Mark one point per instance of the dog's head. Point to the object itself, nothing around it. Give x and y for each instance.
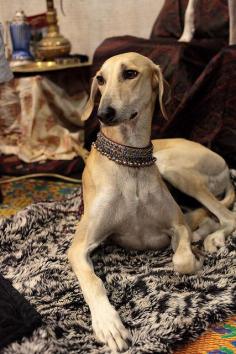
(128, 83)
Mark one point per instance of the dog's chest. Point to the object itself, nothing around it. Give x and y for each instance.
(140, 212)
(139, 196)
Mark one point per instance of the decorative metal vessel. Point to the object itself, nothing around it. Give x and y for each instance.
(53, 44)
(20, 36)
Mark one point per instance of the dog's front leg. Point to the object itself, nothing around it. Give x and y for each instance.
(184, 260)
(189, 19)
(105, 320)
(232, 22)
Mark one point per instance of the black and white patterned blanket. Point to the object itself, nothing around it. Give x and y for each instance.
(160, 307)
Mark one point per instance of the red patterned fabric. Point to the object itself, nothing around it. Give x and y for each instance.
(208, 112)
(41, 131)
(39, 121)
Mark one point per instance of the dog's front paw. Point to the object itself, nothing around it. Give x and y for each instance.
(110, 330)
(214, 242)
(187, 263)
(186, 37)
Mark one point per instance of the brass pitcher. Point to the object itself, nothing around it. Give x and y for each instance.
(53, 45)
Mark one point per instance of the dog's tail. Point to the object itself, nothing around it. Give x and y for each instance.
(229, 197)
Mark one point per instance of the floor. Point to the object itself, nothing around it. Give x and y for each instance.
(220, 339)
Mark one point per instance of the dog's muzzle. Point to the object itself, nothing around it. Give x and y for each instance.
(107, 116)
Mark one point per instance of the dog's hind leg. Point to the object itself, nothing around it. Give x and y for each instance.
(105, 320)
(227, 219)
(206, 227)
(201, 223)
(193, 184)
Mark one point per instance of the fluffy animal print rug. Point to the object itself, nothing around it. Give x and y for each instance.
(161, 308)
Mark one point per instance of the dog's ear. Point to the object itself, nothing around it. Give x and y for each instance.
(159, 82)
(90, 104)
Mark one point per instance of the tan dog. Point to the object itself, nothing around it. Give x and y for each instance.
(132, 205)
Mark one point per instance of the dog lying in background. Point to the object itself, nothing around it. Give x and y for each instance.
(202, 174)
(125, 198)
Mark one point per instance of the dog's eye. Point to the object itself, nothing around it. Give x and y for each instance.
(130, 74)
(100, 80)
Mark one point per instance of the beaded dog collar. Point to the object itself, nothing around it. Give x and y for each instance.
(124, 155)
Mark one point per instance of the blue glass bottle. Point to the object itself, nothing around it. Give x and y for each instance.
(20, 36)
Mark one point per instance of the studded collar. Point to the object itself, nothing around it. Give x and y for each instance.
(124, 155)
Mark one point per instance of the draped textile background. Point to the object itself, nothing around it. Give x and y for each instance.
(35, 119)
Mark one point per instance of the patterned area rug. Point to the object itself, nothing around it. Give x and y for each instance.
(219, 339)
(161, 314)
(18, 195)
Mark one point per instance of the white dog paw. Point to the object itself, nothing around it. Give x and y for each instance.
(187, 263)
(110, 330)
(213, 242)
(197, 236)
(186, 38)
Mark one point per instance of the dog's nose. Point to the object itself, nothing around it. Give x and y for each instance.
(107, 115)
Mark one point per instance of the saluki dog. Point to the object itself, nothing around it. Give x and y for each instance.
(125, 197)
